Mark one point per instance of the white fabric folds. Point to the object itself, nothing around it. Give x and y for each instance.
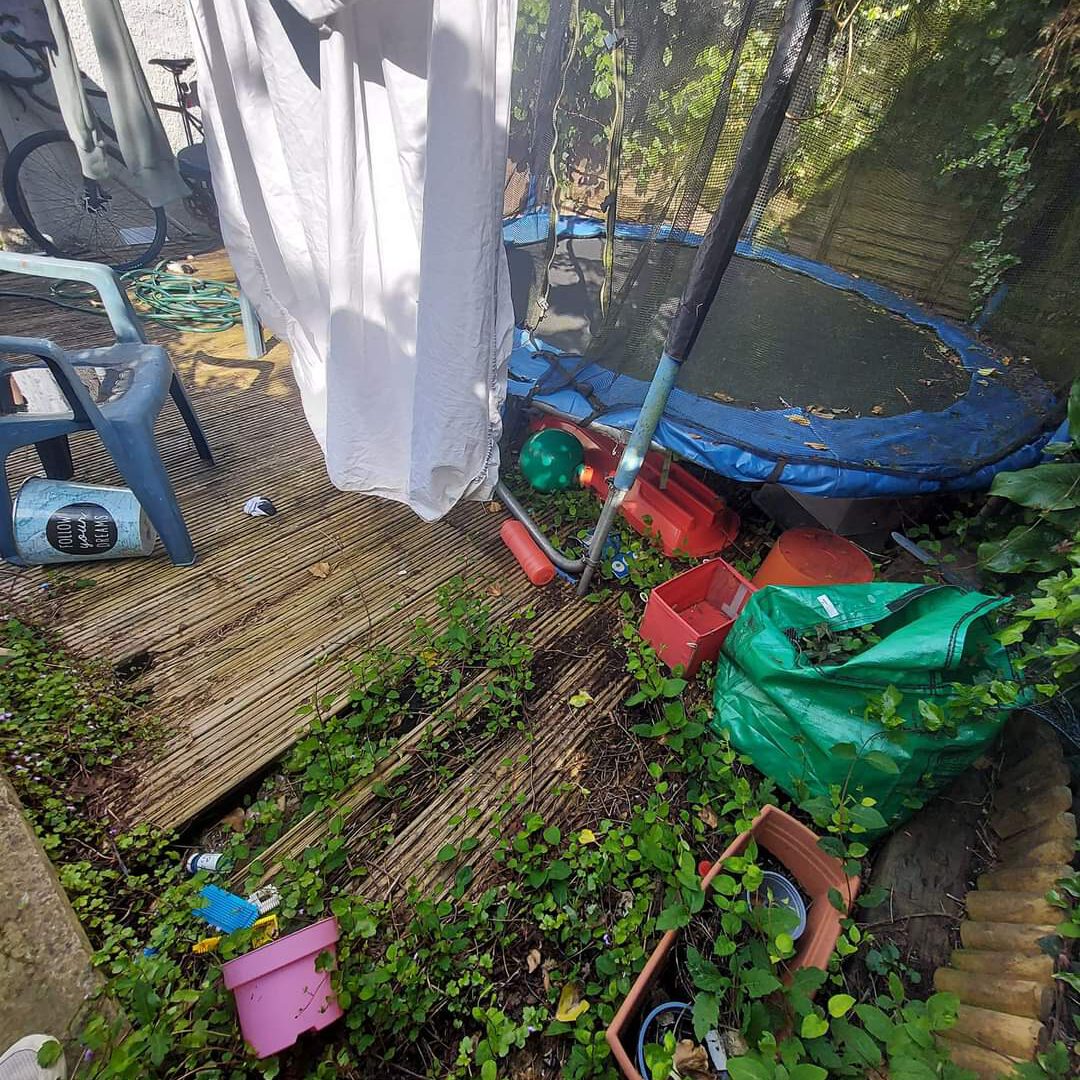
(358, 149)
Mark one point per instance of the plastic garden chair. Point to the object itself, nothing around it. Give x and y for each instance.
(138, 379)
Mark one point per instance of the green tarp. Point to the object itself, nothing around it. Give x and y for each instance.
(789, 713)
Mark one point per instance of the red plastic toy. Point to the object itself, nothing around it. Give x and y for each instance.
(537, 566)
(685, 514)
(687, 618)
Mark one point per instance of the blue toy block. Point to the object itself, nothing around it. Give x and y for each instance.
(225, 910)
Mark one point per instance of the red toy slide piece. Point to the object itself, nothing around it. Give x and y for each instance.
(687, 516)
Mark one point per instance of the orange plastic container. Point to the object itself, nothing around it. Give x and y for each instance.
(813, 557)
(538, 568)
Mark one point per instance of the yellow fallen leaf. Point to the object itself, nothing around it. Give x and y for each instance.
(319, 569)
(816, 445)
(571, 1004)
(533, 960)
(987, 371)
(795, 418)
(580, 699)
(586, 836)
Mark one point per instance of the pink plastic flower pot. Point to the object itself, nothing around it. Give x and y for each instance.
(279, 994)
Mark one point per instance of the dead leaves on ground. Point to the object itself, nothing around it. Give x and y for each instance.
(691, 1061)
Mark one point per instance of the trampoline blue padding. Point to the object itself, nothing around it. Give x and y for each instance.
(964, 413)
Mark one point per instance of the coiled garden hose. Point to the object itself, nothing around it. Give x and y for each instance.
(187, 302)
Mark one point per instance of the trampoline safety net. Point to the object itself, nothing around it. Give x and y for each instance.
(901, 314)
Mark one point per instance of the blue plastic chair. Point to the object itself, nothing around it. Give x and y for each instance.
(138, 379)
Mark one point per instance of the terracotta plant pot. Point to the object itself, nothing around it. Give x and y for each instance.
(813, 557)
(794, 846)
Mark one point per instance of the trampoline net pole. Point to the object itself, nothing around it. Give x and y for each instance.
(800, 23)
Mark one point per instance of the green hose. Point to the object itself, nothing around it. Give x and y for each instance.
(197, 305)
(186, 302)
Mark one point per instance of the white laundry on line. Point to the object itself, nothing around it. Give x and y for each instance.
(358, 151)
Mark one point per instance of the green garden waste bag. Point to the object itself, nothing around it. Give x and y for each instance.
(787, 708)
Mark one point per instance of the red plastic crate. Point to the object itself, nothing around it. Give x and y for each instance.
(686, 515)
(687, 618)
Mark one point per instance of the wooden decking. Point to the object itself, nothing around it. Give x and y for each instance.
(229, 648)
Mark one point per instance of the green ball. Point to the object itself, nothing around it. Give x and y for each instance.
(551, 460)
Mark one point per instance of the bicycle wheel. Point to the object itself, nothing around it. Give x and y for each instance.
(76, 218)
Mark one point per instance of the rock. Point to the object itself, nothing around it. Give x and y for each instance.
(1017, 997)
(46, 975)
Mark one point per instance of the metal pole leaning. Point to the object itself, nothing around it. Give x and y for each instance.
(801, 18)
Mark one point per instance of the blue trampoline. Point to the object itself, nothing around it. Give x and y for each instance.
(802, 375)
(717, 222)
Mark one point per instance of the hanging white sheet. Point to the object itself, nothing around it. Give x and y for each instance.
(358, 149)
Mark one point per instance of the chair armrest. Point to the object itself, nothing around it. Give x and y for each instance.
(63, 371)
(125, 322)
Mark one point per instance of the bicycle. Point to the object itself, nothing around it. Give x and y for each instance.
(72, 216)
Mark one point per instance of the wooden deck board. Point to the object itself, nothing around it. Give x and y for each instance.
(537, 767)
(361, 804)
(233, 645)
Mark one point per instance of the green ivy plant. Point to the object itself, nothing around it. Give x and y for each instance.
(1042, 555)
(822, 644)
(844, 1039)
(1003, 148)
(1048, 498)
(569, 919)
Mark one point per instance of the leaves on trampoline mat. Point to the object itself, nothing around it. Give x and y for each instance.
(721, 396)
(795, 418)
(877, 410)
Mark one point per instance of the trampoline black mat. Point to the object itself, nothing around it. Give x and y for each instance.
(773, 338)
